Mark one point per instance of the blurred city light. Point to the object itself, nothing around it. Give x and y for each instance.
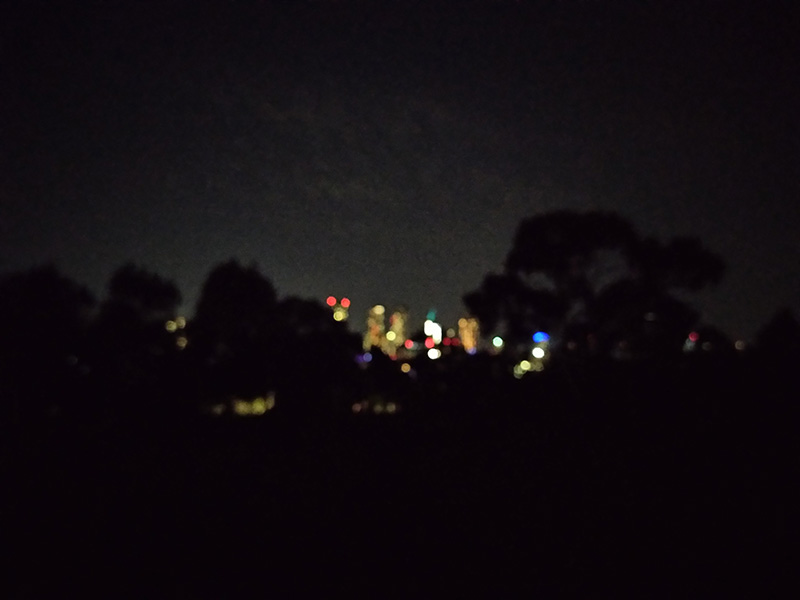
(345, 302)
(171, 326)
(405, 367)
(331, 301)
(497, 341)
(540, 336)
(537, 352)
(434, 353)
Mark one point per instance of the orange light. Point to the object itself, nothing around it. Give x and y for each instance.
(330, 301)
(345, 302)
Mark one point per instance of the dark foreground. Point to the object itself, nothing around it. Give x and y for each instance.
(558, 496)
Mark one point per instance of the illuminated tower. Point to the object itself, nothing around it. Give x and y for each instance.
(468, 332)
(376, 327)
(340, 308)
(397, 334)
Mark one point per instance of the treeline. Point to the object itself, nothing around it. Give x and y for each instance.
(613, 302)
(63, 351)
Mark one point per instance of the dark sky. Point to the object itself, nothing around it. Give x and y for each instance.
(388, 155)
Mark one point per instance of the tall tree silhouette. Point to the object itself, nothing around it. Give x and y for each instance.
(44, 318)
(590, 279)
(133, 351)
(232, 339)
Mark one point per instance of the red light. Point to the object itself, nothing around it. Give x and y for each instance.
(408, 344)
(456, 342)
(446, 341)
(330, 301)
(345, 302)
(429, 343)
(694, 336)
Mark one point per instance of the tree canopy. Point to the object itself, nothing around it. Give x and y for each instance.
(591, 277)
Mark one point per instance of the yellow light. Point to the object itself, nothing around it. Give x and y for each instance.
(378, 309)
(391, 336)
(391, 408)
(338, 315)
(180, 322)
(537, 353)
(171, 326)
(405, 367)
(270, 401)
(378, 408)
(525, 365)
(241, 407)
(181, 342)
(258, 406)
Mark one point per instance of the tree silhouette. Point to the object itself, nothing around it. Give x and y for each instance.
(133, 351)
(44, 318)
(589, 279)
(232, 337)
(779, 339)
(316, 366)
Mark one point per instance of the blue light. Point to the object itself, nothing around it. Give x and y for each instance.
(540, 336)
(367, 356)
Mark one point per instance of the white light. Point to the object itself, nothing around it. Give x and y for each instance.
(434, 353)
(537, 353)
(434, 330)
(497, 341)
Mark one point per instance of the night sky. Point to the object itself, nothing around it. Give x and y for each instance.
(388, 155)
